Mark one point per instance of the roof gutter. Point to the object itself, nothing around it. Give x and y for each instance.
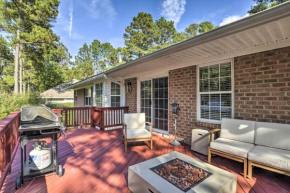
(261, 18)
(90, 79)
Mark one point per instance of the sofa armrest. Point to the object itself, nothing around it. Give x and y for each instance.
(124, 125)
(212, 131)
(150, 125)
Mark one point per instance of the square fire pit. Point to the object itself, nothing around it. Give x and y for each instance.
(176, 172)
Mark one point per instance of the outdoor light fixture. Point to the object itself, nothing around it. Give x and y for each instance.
(175, 108)
(175, 111)
(128, 86)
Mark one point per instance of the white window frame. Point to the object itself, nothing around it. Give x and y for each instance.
(216, 92)
(75, 95)
(90, 90)
(115, 95)
(95, 93)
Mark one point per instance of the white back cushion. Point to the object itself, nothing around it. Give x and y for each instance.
(239, 130)
(135, 120)
(274, 135)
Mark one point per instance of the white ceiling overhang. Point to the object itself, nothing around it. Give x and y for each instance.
(264, 31)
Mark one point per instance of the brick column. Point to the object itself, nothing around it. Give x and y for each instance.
(182, 90)
(131, 97)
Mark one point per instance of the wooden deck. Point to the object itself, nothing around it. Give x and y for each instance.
(95, 161)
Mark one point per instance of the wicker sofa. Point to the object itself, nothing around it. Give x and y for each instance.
(264, 145)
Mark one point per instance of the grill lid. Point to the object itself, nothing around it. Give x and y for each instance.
(31, 113)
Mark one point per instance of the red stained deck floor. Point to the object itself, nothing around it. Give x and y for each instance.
(95, 161)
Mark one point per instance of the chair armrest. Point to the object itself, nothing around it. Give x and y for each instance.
(124, 125)
(212, 131)
(150, 125)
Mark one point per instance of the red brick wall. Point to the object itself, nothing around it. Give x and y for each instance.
(262, 86)
(182, 90)
(131, 97)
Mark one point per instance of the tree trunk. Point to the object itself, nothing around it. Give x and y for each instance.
(24, 85)
(16, 59)
(20, 77)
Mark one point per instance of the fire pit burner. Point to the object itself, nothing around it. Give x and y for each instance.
(181, 174)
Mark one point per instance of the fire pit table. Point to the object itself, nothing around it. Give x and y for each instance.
(176, 172)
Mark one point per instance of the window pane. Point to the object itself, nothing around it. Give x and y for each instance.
(214, 84)
(156, 113)
(215, 113)
(156, 123)
(215, 100)
(118, 91)
(226, 112)
(166, 82)
(225, 84)
(156, 104)
(147, 103)
(118, 99)
(161, 83)
(113, 99)
(203, 73)
(226, 100)
(165, 103)
(204, 85)
(161, 104)
(155, 83)
(204, 99)
(214, 71)
(204, 112)
(165, 93)
(113, 92)
(225, 69)
(161, 91)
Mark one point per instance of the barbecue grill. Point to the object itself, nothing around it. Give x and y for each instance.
(39, 122)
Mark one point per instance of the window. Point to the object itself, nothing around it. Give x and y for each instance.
(88, 95)
(76, 95)
(215, 92)
(115, 95)
(99, 94)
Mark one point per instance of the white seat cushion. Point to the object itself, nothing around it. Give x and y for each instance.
(238, 130)
(274, 135)
(277, 158)
(237, 148)
(137, 133)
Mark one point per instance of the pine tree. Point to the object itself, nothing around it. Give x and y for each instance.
(139, 36)
(29, 23)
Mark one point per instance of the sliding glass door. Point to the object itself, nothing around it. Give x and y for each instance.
(154, 102)
(146, 99)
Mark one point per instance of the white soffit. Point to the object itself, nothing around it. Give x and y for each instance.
(263, 37)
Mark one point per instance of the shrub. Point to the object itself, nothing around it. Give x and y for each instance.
(59, 105)
(10, 102)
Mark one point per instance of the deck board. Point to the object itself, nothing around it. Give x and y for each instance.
(95, 161)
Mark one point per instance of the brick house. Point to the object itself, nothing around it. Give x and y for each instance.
(240, 70)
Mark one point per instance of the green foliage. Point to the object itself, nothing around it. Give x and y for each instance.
(83, 66)
(262, 5)
(165, 32)
(205, 27)
(192, 30)
(13, 102)
(59, 105)
(139, 36)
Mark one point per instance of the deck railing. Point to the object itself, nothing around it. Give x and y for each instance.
(102, 117)
(107, 117)
(9, 140)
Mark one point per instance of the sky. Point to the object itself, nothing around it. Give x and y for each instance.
(82, 21)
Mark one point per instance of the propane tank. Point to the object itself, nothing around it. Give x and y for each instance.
(40, 156)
